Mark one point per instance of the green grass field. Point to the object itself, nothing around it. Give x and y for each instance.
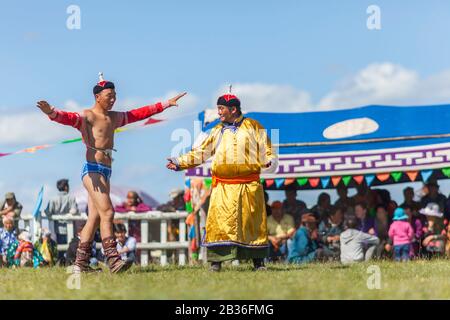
(413, 280)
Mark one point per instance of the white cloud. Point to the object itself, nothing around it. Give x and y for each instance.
(390, 84)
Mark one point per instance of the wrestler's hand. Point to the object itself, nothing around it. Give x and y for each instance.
(173, 101)
(171, 165)
(45, 107)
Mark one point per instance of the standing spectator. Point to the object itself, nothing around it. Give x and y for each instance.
(266, 200)
(63, 203)
(280, 227)
(47, 247)
(126, 245)
(401, 233)
(24, 252)
(361, 193)
(323, 207)
(417, 226)
(381, 227)
(384, 198)
(365, 223)
(10, 208)
(135, 204)
(303, 247)
(293, 206)
(344, 202)
(433, 196)
(175, 204)
(8, 236)
(356, 246)
(434, 237)
(330, 230)
(408, 195)
(72, 250)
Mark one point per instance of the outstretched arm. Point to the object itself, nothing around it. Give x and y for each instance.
(197, 155)
(72, 119)
(146, 111)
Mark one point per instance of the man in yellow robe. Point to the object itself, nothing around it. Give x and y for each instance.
(236, 225)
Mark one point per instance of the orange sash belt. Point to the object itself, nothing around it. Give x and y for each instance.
(238, 180)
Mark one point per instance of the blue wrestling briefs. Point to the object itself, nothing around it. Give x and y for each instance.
(93, 167)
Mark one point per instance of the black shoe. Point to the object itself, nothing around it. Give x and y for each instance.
(258, 265)
(215, 266)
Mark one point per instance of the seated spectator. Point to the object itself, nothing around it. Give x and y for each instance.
(293, 206)
(417, 225)
(134, 203)
(329, 232)
(280, 228)
(356, 246)
(73, 246)
(323, 207)
(126, 245)
(47, 247)
(24, 252)
(366, 224)
(7, 238)
(381, 227)
(10, 208)
(434, 233)
(303, 247)
(402, 234)
(433, 196)
(344, 202)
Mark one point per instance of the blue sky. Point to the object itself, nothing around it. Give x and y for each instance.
(308, 55)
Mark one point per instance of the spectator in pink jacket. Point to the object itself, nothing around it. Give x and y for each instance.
(402, 234)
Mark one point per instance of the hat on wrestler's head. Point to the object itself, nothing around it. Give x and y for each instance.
(102, 84)
(229, 100)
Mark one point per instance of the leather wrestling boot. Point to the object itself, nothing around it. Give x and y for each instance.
(113, 259)
(81, 264)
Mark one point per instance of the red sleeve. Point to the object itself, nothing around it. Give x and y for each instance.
(72, 119)
(142, 113)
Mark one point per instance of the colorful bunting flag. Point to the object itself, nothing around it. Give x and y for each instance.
(426, 174)
(314, 182)
(189, 207)
(269, 182)
(188, 183)
(335, 180)
(446, 172)
(302, 181)
(325, 182)
(412, 175)
(346, 180)
(289, 181)
(383, 176)
(279, 182)
(369, 179)
(358, 179)
(396, 176)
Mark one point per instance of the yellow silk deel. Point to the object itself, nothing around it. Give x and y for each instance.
(237, 213)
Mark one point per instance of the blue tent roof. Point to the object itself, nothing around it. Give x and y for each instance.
(393, 122)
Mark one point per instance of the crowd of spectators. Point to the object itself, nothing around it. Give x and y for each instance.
(368, 225)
